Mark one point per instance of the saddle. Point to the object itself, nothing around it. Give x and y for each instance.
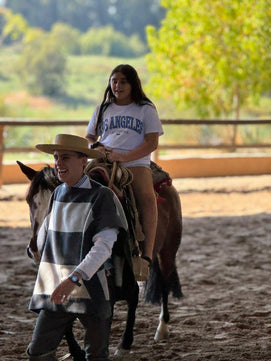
(119, 179)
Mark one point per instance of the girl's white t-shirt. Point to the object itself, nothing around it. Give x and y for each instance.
(124, 127)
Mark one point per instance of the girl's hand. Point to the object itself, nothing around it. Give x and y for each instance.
(98, 146)
(115, 157)
(101, 149)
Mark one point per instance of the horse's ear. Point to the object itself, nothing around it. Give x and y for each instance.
(29, 172)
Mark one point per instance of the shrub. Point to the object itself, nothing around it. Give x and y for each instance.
(108, 42)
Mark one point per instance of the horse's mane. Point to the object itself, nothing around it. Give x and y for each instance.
(43, 179)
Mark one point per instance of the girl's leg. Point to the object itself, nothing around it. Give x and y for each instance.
(147, 206)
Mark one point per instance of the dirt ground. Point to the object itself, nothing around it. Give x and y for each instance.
(223, 263)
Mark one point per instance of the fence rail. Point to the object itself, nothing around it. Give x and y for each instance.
(232, 145)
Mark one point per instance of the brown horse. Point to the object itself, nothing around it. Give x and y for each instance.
(163, 278)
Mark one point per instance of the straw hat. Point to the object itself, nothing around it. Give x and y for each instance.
(70, 142)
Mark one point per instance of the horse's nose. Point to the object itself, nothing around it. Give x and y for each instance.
(28, 251)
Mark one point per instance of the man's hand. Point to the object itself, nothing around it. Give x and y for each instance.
(63, 291)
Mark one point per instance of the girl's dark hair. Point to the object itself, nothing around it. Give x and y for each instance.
(137, 93)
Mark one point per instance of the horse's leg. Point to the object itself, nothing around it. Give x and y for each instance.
(169, 282)
(162, 329)
(169, 233)
(163, 280)
(128, 334)
(75, 350)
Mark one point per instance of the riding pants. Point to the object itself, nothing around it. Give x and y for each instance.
(50, 329)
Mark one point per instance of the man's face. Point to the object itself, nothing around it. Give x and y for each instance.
(69, 166)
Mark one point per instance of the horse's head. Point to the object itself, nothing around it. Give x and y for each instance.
(42, 184)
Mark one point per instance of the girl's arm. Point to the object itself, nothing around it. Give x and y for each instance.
(149, 144)
(91, 138)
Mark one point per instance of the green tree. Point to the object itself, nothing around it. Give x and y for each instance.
(212, 55)
(38, 13)
(67, 37)
(109, 42)
(128, 17)
(31, 35)
(42, 66)
(14, 26)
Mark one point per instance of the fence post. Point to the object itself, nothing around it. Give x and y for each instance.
(1, 153)
(233, 139)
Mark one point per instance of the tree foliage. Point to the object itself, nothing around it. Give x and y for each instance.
(212, 55)
(99, 41)
(108, 42)
(32, 34)
(68, 38)
(14, 26)
(42, 66)
(128, 17)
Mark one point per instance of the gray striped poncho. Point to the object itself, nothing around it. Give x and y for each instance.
(74, 216)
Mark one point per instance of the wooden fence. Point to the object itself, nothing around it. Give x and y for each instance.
(230, 146)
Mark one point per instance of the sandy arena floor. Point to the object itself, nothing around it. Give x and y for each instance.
(223, 263)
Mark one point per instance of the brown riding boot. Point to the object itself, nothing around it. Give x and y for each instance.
(141, 267)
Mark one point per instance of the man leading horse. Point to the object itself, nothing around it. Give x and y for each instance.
(83, 222)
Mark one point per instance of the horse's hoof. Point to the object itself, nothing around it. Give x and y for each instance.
(161, 335)
(121, 354)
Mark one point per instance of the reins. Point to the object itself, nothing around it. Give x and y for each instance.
(113, 173)
(116, 176)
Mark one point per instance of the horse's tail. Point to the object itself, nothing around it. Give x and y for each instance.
(156, 284)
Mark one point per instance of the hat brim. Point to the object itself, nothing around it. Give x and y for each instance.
(51, 148)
